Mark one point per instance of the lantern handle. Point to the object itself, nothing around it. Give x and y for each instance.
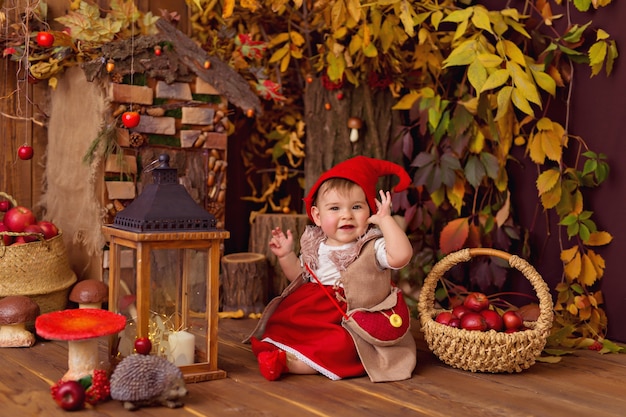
(163, 160)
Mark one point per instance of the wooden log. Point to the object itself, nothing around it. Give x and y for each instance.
(260, 235)
(244, 282)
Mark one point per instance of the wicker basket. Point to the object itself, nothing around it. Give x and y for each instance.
(488, 351)
(39, 270)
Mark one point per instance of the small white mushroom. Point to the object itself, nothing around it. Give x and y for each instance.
(15, 312)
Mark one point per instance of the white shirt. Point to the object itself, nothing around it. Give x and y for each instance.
(328, 273)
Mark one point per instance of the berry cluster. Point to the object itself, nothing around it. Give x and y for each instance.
(92, 389)
(100, 388)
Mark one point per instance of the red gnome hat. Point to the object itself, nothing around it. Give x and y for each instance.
(364, 172)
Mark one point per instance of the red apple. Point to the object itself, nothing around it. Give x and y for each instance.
(6, 239)
(455, 322)
(512, 320)
(5, 205)
(25, 152)
(143, 346)
(493, 319)
(49, 229)
(444, 317)
(70, 396)
(45, 39)
(17, 218)
(36, 233)
(476, 301)
(459, 311)
(473, 321)
(130, 119)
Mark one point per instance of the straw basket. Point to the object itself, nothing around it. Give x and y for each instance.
(488, 351)
(39, 270)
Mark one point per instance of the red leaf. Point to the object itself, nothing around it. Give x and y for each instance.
(453, 235)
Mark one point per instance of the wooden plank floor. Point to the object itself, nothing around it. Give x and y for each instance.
(582, 384)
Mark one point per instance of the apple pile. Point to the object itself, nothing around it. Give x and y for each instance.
(20, 219)
(476, 313)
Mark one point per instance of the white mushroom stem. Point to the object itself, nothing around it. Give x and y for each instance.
(16, 335)
(82, 358)
(354, 135)
(89, 305)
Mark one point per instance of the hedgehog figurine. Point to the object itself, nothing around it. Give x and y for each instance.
(147, 380)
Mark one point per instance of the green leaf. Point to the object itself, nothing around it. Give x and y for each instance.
(491, 164)
(575, 33)
(474, 171)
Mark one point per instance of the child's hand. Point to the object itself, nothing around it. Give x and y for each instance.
(383, 206)
(281, 244)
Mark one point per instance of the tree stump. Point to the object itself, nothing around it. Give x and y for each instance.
(260, 236)
(244, 282)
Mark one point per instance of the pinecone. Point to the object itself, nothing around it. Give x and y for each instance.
(137, 139)
(116, 77)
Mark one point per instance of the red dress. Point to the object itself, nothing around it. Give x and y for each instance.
(308, 325)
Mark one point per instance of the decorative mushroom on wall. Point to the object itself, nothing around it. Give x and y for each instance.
(15, 312)
(89, 293)
(82, 328)
(354, 124)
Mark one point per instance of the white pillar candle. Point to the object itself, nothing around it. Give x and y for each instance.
(181, 348)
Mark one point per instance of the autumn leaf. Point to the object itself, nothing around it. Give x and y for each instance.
(454, 235)
(572, 268)
(599, 239)
(588, 273)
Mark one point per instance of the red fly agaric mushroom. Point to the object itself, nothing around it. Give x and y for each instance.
(81, 327)
(15, 312)
(354, 123)
(89, 293)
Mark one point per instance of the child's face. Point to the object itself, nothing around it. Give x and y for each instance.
(342, 214)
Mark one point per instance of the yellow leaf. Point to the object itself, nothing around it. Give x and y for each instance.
(513, 52)
(464, 54)
(572, 309)
(520, 101)
(480, 19)
(296, 38)
(460, 30)
(477, 143)
(504, 102)
(495, 79)
(552, 142)
(598, 263)
(477, 75)
(544, 81)
(568, 254)
(489, 60)
(406, 17)
(284, 63)
(406, 102)
(573, 268)
(227, 8)
(535, 150)
(552, 197)
(456, 194)
(280, 53)
(524, 83)
(588, 274)
(599, 238)
(354, 9)
(547, 180)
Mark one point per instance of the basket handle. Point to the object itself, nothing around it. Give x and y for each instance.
(10, 198)
(427, 294)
